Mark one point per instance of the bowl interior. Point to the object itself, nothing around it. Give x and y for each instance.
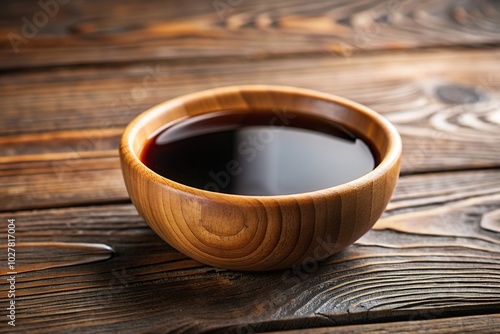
(379, 134)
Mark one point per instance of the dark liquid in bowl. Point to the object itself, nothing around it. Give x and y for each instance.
(258, 153)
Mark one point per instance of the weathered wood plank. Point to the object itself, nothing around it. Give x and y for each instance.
(406, 86)
(83, 32)
(472, 324)
(63, 183)
(56, 145)
(432, 259)
(445, 105)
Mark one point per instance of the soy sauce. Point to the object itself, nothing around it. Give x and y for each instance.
(258, 153)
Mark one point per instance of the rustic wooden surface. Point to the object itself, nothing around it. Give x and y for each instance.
(87, 263)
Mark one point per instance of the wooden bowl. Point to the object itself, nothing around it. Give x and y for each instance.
(261, 232)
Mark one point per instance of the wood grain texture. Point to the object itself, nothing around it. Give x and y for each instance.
(89, 32)
(93, 266)
(261, 232)
(62, 132)
(430, 264)
(405, 86)
(473, 324)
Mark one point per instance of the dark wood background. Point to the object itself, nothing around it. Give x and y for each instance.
(87, 263)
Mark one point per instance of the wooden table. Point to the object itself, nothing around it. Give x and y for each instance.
(87, 263)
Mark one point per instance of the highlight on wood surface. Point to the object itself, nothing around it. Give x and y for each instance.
(109, 34)
(261, 232)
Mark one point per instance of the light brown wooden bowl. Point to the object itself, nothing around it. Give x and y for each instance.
(261, 232)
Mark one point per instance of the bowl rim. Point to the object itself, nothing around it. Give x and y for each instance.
(388, 161)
